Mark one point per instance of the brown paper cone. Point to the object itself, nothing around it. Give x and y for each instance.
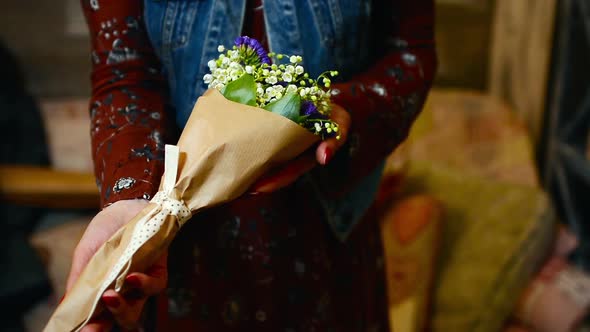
(225, 147)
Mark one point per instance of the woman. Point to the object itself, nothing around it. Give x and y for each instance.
(294, 253)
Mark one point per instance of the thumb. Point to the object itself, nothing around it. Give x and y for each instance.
(80, 259)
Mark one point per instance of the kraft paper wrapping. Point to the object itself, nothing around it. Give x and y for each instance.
(224, 148)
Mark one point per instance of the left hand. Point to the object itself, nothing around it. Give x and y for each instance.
(290, 172)
(123, 309)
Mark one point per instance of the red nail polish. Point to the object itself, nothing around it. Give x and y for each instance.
(133, 281)
(62, 299)
(328, 153)
(111, 302)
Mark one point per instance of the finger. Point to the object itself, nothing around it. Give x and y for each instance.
(154, 280)
(286, 175)
(326, 149)
(126, 310)
(85, 250)
(342, 118)
(79, 260)
(98, 326)
(146, 284)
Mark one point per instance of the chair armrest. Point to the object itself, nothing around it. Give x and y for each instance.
(46, 187)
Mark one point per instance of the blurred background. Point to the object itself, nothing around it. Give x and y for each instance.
(483, 208)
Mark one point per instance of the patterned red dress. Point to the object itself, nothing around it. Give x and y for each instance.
(266, 262)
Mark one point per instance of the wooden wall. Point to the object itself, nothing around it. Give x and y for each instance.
(45, 36)
(463, 42)
(521, 45)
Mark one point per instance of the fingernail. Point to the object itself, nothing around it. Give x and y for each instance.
(253, 193)
(62, 299)
(133, 281)
(111, 302)
(328, 153)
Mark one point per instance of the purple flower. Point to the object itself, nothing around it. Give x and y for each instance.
(309, 109)
(252, 45)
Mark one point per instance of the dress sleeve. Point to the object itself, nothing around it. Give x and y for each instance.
(127, 107)
(385, 100)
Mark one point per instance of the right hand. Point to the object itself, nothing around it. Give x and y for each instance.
(125, 309)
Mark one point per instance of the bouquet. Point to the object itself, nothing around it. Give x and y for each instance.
(245, 74)
(255, 116)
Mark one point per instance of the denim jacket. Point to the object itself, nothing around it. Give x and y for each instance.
(329, 34)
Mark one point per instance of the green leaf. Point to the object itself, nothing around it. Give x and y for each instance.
(288, 106)
(242, 90)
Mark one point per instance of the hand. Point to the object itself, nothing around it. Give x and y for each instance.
(124, 309)
(287, 174)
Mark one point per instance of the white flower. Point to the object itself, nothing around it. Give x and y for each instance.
(265, 72)
(208, 78)
(212, 65)
(275, 91)
(225, 61)
(234, 55)
(249, 69)
(220, 48)
(290, 69)
(260, 91)
(299, 70)
(302, 93)
(235, 74)
(287, 77)
(271, 80)
(293, 59)
(291, 88)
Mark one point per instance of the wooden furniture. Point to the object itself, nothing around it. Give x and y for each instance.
(37, 186)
